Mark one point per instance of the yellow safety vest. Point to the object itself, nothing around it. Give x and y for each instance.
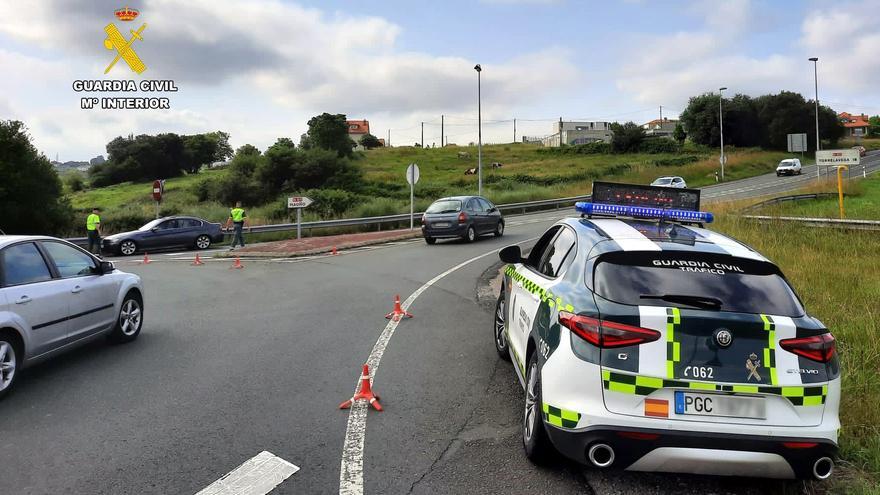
(92, 222)
(237, 215)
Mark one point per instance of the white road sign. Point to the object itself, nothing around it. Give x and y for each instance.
(412, 173)
(833, 158)
(299, 202)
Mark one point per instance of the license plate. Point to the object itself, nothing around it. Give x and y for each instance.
(441, 224)
(728, 406)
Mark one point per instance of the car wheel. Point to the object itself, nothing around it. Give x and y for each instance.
(203, 242)
(9, 361)
(778, 174)
(799, 172)
(127, 248)
(499, 229)
(500, 335)
(535, 440)
(130, 320)
(430, 240)
(470, 235)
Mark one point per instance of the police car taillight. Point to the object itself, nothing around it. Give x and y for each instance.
(819, 348)
(606, 334)
(462, 217)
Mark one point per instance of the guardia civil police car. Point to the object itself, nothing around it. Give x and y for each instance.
(646, 342)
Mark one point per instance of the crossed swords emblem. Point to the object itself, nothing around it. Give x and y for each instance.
(123, 48)
(752, 364)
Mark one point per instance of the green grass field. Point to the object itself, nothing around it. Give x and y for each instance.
(862, 201)
(836, 274)
(526, 175)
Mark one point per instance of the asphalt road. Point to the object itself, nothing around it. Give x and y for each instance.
(234, 362)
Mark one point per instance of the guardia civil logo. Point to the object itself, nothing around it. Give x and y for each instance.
(124, 48)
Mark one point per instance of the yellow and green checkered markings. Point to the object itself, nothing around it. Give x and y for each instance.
(561, 417)
(645, 385)
(673, 348)
(770, 350)
(546, 296)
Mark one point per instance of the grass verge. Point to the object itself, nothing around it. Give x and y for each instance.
(862, 202)
(835, 273)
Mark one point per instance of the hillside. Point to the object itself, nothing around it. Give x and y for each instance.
(527, 173)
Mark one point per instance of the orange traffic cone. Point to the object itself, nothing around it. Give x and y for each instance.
(365, 392)
(237, 264)
(198, 261)
(147, 259)
(398, 312)
(333, 251)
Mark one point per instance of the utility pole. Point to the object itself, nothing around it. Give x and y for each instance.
(441, 130)
(423, 135)
(815, 61)
(560, 131)
(388, 143)
(661, 114)
(479, 134)
(721, 124)
(514, 130)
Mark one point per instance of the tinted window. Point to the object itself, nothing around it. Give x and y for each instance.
(555, 256)
(485, 204)
(150, 225)
(537, 252)
(189, 223)
(170, 224)
(445, 206)
(71, 262)
(23, 264)
(474, 205)
(740, 285)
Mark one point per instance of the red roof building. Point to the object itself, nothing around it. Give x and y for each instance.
(856, 125)
(358, 127)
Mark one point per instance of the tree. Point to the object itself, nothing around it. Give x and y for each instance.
(627, 137)
(874, 126)
(700, 119)
(247, 149)
(74, 181)
(678, 134)
(205, 149)
(329, 132)
(31, 195)
(789, 113)
(370, 141)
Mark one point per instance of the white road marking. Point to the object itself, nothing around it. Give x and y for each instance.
(351, 474)
(257, 476)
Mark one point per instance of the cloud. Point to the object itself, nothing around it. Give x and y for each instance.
(845, 37)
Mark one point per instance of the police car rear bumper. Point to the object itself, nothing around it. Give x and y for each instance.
(641, 449)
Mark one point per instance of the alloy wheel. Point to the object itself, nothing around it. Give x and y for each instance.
(531, 412)
(203, 242)
(130, 317)
(500, 338)
(127, 248)
(7, 365)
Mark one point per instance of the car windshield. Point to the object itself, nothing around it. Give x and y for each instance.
(785, 163)
(445, 206)
(697, 280)
(150, 225)
(662, 181)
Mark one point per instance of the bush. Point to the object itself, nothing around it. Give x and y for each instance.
(659, 145)
(332, 203)
(676, 161)
(74, 181)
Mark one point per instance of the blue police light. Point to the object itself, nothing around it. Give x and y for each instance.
(643, 212)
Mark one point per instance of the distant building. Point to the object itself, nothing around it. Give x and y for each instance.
(660, 128)
(356, 130)
(855, 125)
(571, 133)
(532, 140)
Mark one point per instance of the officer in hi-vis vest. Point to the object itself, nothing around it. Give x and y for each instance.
(238, 218)
(93, 231)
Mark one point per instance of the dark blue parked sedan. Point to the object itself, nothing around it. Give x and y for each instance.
(165, 233)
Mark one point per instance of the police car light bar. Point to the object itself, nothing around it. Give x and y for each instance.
(643, 212)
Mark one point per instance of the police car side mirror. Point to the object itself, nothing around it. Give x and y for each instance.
(106, 267)
(511, 254)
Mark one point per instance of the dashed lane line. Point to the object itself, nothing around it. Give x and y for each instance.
(351, 474)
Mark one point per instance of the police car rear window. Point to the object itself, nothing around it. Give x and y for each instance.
(674, 279)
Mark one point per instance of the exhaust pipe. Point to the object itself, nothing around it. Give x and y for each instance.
(602, 455)
(822, 468)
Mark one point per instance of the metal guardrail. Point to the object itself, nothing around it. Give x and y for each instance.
(513, 208)
(821, 222)
(785, 199)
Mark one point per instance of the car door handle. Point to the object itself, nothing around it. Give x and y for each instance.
(76, 290)
(23, 300)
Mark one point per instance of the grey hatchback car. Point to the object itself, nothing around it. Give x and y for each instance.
(464, 217)
(55, 296)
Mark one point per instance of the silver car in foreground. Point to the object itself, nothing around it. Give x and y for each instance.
(55, 296)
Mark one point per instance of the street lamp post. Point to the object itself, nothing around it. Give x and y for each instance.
(721, 122)
(479, 136)
(815, 61)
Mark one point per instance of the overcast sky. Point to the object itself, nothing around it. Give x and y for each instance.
(259, 69)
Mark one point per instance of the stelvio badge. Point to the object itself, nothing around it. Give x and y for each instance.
(124, 50)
